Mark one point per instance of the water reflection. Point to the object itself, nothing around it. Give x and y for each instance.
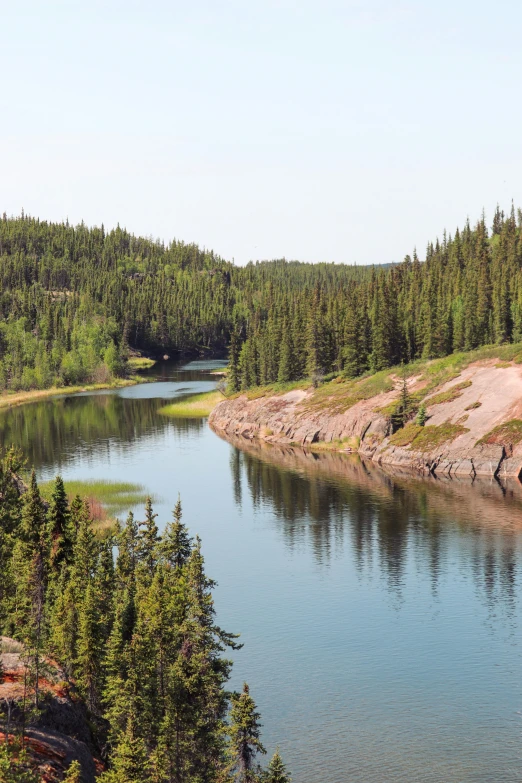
(58, 430)
(319, 497)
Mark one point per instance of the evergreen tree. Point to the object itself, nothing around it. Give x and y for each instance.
(276, 772)
(149, 538)
(176, 544)
(233, 371)
(130, 760)
(60, 537)
(245, 743)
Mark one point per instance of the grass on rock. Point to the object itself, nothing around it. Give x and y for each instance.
(432, 436)
(507, 434)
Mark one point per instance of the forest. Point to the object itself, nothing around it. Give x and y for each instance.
(128, 620)
(75, 301)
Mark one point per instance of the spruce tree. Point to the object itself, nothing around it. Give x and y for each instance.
(130, 763)
(176, 544)
(59, 527)
(245, 742)
(233, 371)
(276, 772)
(149, 538)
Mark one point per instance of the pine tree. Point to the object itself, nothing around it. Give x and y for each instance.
(285, 370)
(128, 550)
(176, 544)
(233, 372)
(74, 773)
(149, 538)
(90, 648)
(33, 516)
(315, 340)
(245, 743)
(59, 528)
(130, 762)
(421, 416)
(276, 772)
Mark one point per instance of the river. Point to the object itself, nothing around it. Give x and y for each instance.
(381, 614)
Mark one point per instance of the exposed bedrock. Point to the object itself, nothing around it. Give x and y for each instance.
(491, 397)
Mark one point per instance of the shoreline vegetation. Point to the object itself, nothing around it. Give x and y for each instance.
(140, 363)
(197, 406)
(9, 399)
(12, 399)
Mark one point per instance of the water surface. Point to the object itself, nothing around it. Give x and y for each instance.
(381, 614)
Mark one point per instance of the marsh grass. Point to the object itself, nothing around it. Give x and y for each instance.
(198, 406)
(107, 500)
(140, 363)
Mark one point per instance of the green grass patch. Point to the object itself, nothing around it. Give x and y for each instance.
(350, 443)
(338, 397)
(273, 389)
(448, 396)
(432, 436)
(507, 434)
(198, 406)
(473, 406)
(406, 435)
(140, 363)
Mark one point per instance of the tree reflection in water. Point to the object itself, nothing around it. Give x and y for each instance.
(322, 497)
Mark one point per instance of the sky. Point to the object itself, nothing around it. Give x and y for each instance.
(320, 131)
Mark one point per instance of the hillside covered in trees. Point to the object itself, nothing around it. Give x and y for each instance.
(122, 655)
(74, 300)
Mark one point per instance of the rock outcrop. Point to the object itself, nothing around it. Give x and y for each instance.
(489, 395)
(60, 732)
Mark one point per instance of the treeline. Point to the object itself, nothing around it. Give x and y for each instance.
(134, 633)
(466, 294)
(75, 299)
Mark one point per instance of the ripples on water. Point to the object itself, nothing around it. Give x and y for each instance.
(381, 614)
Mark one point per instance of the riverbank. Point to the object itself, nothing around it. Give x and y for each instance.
(12, 399)
(473, 404)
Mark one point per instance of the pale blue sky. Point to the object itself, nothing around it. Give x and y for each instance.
(343, 131)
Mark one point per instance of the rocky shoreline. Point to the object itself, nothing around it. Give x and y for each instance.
(488, 396)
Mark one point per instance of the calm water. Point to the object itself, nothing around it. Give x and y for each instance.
(381, 615)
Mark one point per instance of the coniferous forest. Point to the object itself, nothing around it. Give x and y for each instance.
(129, 620)
(74, 301)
